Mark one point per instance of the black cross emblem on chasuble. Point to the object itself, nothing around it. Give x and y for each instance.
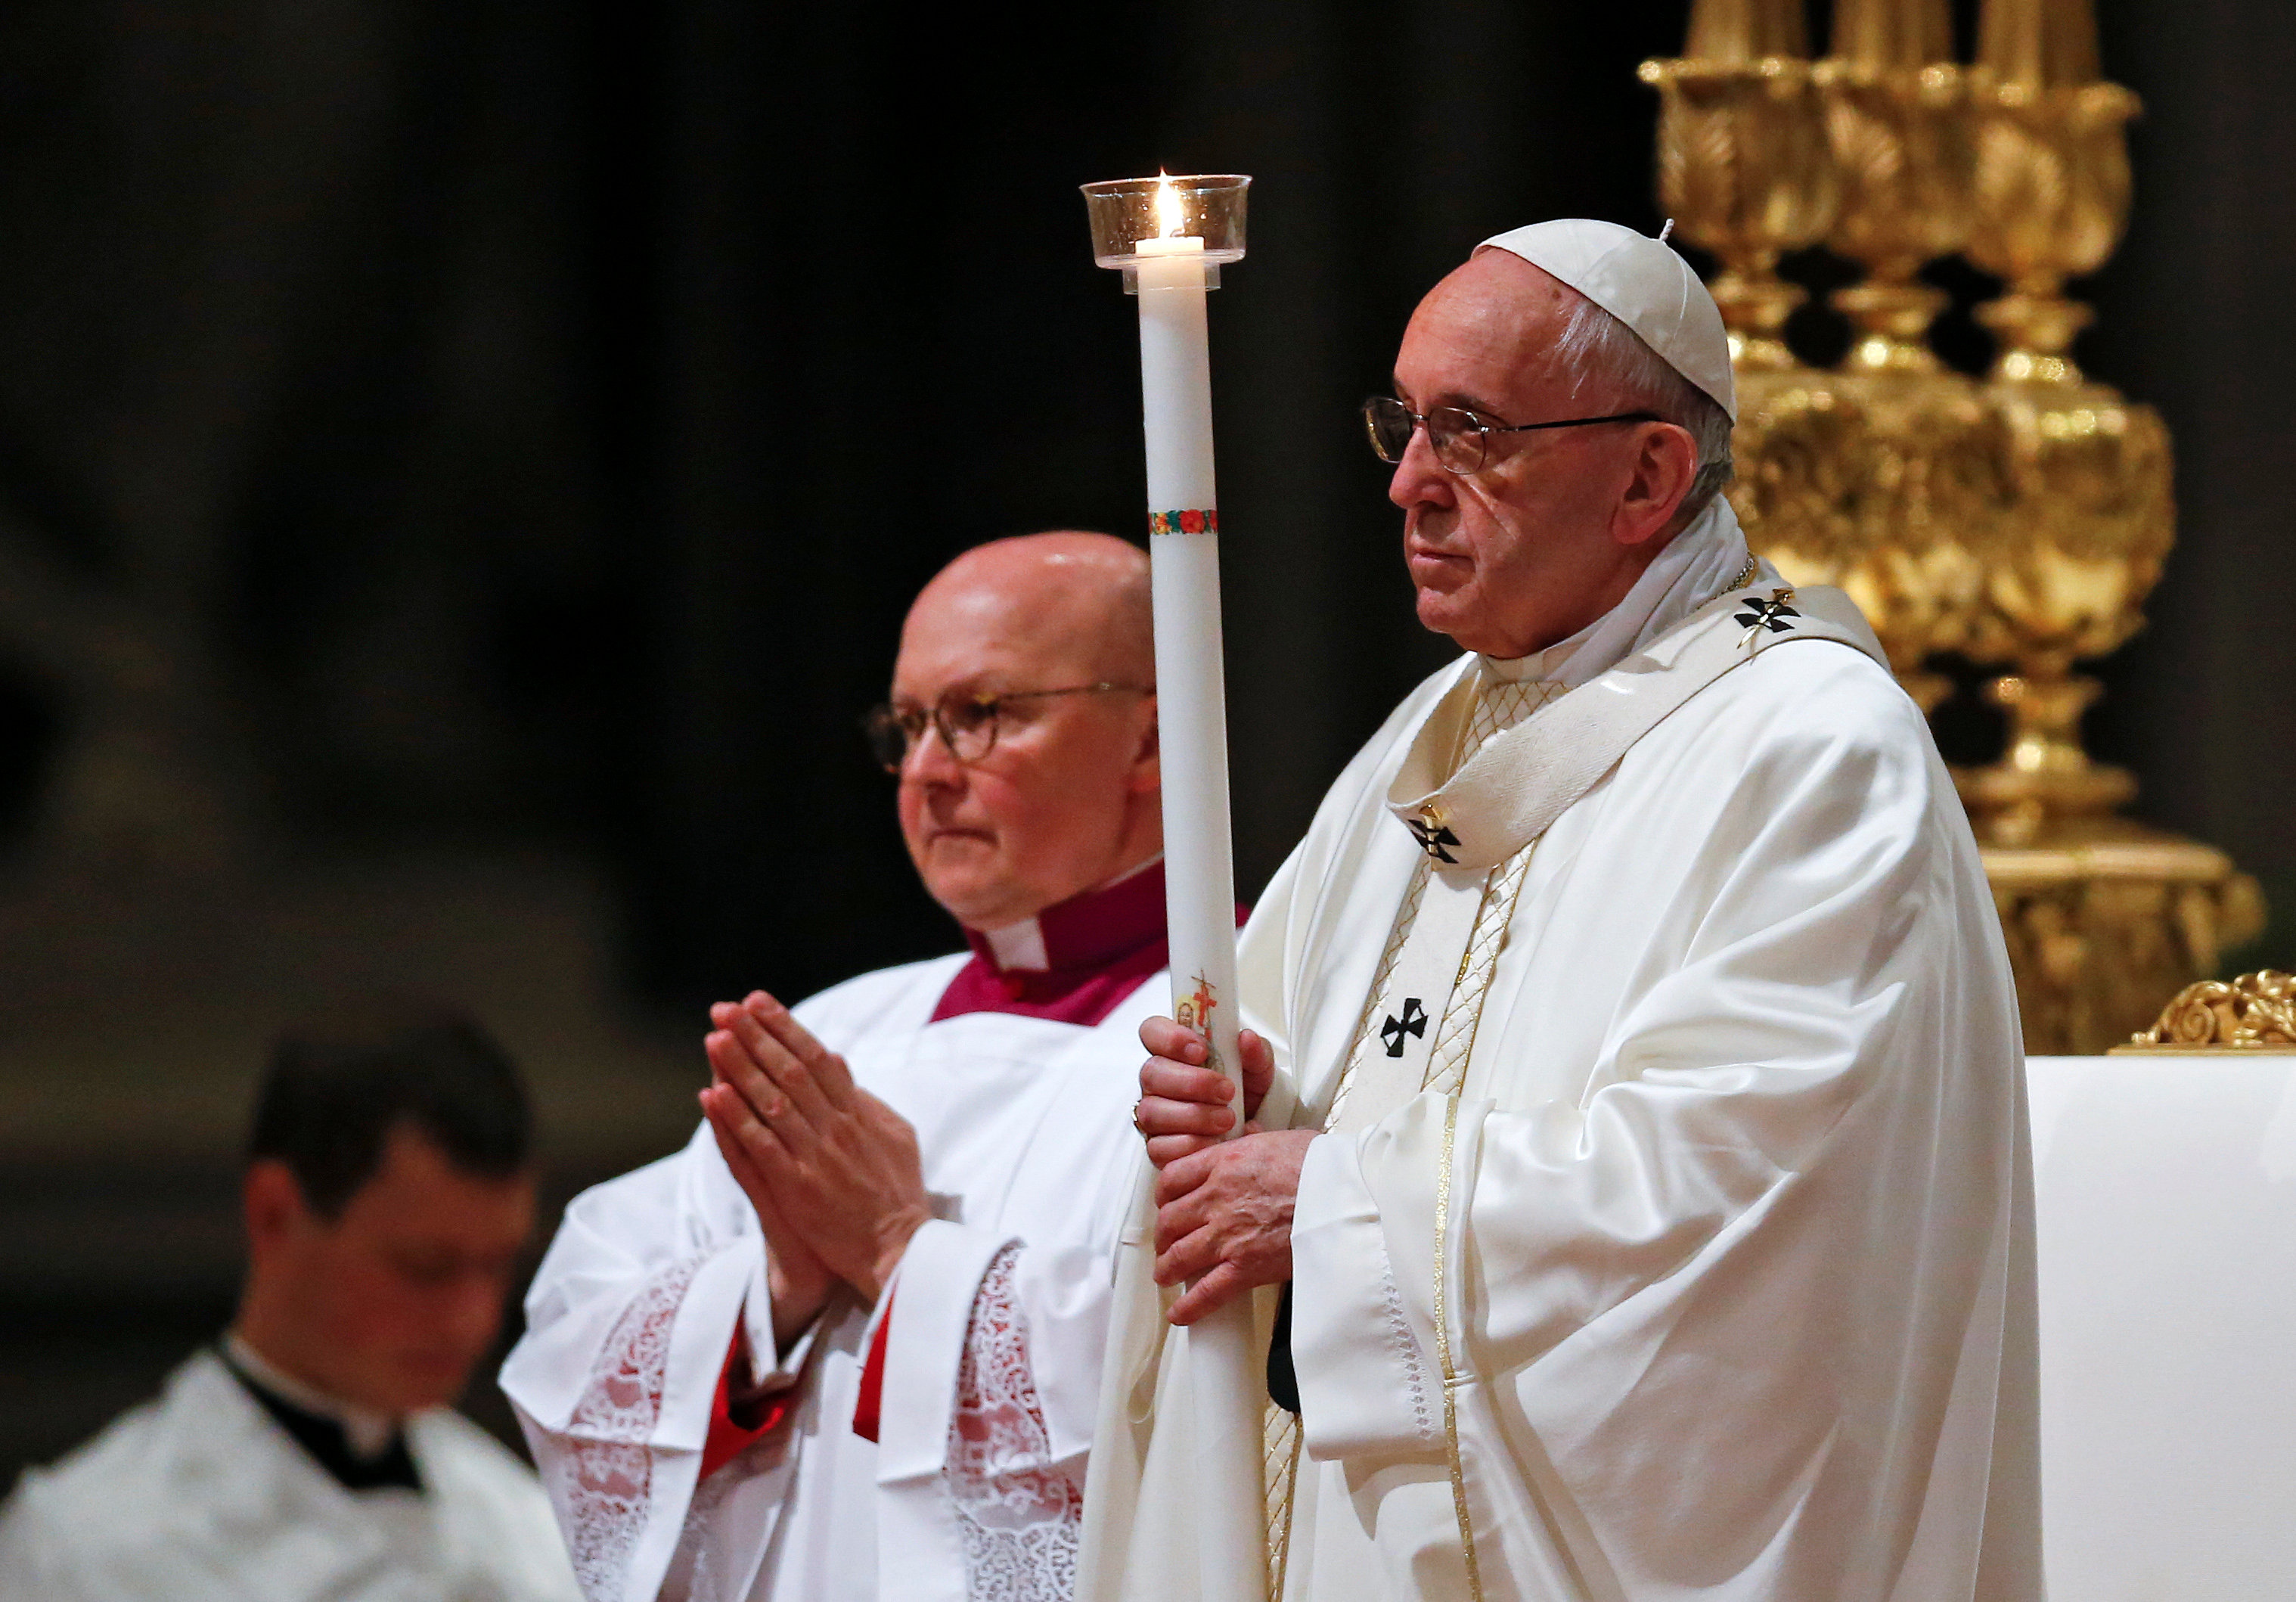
(1772, 615)
(1413, 1022)
(1432, 838)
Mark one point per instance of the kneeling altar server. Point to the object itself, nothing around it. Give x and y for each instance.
(847, 1344)
(1643, 1151)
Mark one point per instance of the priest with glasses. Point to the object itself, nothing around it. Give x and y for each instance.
(846, 1344)
(1638, 1195)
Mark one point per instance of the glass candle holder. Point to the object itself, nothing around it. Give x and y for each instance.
(1124, 213)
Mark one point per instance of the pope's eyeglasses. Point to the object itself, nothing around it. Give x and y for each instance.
(1459, 436)
(968, 720)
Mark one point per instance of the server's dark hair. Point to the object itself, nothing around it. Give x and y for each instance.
(339, 1085)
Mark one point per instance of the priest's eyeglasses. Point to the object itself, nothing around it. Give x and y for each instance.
(968, 722)
(1459, 436)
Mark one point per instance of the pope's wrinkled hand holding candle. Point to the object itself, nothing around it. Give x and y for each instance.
(1169, 235)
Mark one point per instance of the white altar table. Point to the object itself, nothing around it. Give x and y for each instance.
(2166, 1202)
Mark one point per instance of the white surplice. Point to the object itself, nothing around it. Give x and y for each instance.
(1024, 1127)
(202, 1496)
(1732, 1298)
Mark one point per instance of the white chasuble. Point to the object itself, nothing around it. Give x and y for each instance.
(987, 1340)
(1705, 1270)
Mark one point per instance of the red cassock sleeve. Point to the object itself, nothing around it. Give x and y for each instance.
(725, 1440)
(870, 1404)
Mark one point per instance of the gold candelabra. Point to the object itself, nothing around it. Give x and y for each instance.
(2021, 520)
(2089, 472)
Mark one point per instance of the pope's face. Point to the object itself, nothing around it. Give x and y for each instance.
(394, 1303)
(1066, 798)
(1555, 527)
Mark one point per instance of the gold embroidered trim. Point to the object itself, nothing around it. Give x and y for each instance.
(1281, 1443)
(1443, 1351)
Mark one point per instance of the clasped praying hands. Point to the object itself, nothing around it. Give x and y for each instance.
(832, 1171)
(1223, 1207)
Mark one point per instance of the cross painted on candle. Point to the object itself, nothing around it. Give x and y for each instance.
(1195, 1012)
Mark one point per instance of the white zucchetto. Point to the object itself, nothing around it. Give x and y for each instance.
(1641, 282)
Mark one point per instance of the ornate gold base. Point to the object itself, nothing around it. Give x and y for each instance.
(2106, 919)
(2254, 1013)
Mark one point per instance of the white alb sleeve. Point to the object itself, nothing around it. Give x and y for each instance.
(992, 1368)
(616, 1377)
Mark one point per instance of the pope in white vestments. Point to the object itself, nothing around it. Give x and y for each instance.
(1642, 1152)
(924, 1433)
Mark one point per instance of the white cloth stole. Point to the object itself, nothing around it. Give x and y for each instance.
(1410, 1003)
(1478, 813)
(1411, 1030)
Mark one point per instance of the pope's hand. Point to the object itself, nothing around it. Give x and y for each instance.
(839, 1166)
(1224, 1217)
(1183, 1105)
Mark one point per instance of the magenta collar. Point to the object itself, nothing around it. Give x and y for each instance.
(1095, 950)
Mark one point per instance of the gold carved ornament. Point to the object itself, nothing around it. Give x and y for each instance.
(2256, 1012)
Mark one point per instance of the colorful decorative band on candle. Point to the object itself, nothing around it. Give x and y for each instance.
(1184, 523)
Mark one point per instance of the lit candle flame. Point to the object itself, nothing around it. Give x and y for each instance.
(1172, 213)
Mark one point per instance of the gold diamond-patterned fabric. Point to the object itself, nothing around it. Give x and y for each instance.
(1501, 705)
(1446, 1069)
(1280, 1432)
(1454, 1038)
(1280, 1465)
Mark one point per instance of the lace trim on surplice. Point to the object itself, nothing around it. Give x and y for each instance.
(604, 1481)
(1021, 1521)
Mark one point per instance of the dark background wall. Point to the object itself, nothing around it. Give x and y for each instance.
(503, 432)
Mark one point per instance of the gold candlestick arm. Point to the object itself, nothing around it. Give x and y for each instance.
(2051, 186)
(2090, 513)
(1895, 105)
(2038, 44)
(1748, 164)
(1743, 167)
(1735, 33)
(1920, 488)
(1885, 34)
